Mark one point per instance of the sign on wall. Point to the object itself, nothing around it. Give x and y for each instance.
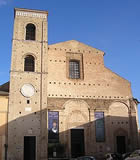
(99, 126)
(53, 127)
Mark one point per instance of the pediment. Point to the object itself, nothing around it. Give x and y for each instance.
(74, 45)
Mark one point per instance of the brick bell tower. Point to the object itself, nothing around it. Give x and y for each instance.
(27, 119)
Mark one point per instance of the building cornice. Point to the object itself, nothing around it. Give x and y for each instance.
(30, 13)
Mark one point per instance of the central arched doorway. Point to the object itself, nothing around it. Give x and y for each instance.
(76, 112)
(76, 122)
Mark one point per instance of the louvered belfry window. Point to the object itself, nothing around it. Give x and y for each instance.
(29, 63)
(30, 31)
(74, 69)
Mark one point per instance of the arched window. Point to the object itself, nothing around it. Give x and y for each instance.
(30, 31)
(74, 69)
(29, 63)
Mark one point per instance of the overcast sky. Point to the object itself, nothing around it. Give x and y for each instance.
(109, 25)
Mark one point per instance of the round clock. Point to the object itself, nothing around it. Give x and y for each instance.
(27, 90)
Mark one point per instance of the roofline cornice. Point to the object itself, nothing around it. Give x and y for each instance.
(30, 10)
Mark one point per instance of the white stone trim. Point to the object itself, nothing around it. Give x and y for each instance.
(30, 14)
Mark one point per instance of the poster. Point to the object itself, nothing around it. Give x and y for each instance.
(53, 127)
(99, 126)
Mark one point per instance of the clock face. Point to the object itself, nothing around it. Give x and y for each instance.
(27, 90)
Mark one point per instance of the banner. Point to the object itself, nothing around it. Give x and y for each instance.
(53, 127)
(99, 126)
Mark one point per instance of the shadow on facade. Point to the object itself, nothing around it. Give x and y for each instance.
(25, 137)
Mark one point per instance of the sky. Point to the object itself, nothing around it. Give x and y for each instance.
(112, 26)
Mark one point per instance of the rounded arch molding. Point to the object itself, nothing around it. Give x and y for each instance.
(75, 101)
(29, 54)
(118, 108)
(77, 113)
(30, 22)
(118, 101)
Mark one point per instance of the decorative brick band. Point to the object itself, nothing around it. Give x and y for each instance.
(30, 14)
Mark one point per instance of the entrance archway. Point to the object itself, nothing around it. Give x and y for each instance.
(77, 116)
(77, 133)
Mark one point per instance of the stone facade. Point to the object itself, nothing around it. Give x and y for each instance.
(98, 90)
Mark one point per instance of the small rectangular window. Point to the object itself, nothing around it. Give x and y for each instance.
(74, 66)
(74, 69)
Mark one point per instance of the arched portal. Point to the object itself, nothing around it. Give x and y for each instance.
(119, 122)
(77, 117)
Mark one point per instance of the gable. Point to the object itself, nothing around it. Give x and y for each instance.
(76, 46)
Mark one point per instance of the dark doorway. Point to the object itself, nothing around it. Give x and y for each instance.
(77, 142)
(121, 144)
(29, 148)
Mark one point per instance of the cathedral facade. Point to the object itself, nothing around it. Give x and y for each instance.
(63, 101)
